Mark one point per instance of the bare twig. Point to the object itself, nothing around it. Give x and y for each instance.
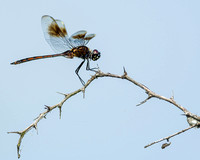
(98, 74)
(167, 138)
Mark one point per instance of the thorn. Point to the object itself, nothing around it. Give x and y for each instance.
(144, 100)
(185, 114)
(172, 97)
(84, 94)
(60, 111)
(47, 107)
(17, 132)
(83, 90)
(62, 94)
(125, 73)
(35, 126)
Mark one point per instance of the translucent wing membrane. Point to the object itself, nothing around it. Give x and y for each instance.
(77, 39)
(55, 34)
(62, 27)
(80, 38)
(79, 35)
(88, 38)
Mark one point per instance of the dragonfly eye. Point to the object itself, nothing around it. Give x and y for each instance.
(95, 55)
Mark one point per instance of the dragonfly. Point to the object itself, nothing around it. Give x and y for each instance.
(64, 45)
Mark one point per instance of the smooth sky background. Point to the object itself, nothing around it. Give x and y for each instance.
(158, 42)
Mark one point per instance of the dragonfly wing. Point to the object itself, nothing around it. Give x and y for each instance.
(88, 37)
(55, 34)
(77, 39)
(62, 27)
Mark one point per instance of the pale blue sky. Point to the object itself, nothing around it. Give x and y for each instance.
(157, 41)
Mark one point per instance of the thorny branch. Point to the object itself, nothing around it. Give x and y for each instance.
(193, 120)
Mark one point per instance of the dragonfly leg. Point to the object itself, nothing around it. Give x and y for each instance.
(88, 67)
(77, 70)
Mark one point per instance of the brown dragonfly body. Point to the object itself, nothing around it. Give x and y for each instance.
(79, 52)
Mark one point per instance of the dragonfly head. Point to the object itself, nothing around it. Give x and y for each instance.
(95, 55)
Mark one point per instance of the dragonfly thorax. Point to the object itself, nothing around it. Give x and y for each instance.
(83, 52)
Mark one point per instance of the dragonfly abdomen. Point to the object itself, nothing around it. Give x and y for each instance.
(36, 58)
